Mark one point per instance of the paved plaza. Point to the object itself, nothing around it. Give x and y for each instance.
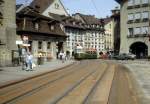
(141, 72)
(11, 74)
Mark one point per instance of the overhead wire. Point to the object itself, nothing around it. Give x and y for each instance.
(98, 12)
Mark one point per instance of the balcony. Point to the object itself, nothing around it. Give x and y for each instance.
(137, 6)
(145, 20)
(137, 20)
(130, 7)
(145, 5)
(129, 21)
(137, 35)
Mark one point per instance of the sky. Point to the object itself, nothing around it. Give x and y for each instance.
(99, 8)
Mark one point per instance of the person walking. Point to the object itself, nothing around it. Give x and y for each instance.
(63, 57)
(29, 61)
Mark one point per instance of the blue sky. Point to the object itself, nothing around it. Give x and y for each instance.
(99, 8)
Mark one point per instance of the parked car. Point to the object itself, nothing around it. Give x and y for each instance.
(125, 56)
(121, 56)
(131, 56)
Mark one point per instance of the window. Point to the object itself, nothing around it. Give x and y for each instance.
(137, 2)
(48, 45)
(51, 27)
(130, 2)
(130, 31)
(137, 30)
(39, 45)
(56, 6)
(137, 16)
(144, 30)
(145, 15)
(144, 1)
(130, 17)
(36, 26)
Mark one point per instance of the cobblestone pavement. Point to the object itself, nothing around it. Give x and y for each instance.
(141, 72)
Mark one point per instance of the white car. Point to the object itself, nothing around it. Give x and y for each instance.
(131, 56)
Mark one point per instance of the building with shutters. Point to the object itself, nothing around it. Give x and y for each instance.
(135, 27)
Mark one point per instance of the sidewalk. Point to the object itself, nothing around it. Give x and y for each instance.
(13, 74)
(141, 72)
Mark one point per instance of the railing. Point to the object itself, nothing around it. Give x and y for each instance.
(137, 20)
(138, 6)
(137, 35)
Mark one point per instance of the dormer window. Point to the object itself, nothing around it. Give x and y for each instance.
(56, 6)
(62, 27)
(36, 26)
(51, 27)
(74, 23)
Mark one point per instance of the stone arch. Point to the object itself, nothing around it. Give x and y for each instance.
(140, 49)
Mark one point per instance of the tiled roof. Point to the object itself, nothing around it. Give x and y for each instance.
(67, 21)
(41, 4)
(107, 20)
(57, 17)
(18, 6)
(32, 12)
(90, 19)
(34, 15)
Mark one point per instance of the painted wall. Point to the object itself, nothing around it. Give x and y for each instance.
(57, 8)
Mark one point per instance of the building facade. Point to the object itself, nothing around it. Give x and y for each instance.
(135, 27)
(51, 8)
(44, 34)
(116, 29)
(75, 31)
(94, 38)
(109, 34)
(8, 31)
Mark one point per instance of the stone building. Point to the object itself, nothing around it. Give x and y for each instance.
(8, 31)
(135, 27)
(48, 7)
(109, 34)
(112, 32)
(94, 38)
(75, 31)
(45, 35)
(116, 29)
(86, 31)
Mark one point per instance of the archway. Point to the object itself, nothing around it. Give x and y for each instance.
(140, 49)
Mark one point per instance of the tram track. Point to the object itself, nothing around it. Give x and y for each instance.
(86, 82)
(12, 92)
(84, 89)
(49, 94)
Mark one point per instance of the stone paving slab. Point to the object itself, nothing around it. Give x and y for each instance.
(141, 72)
(10, 74)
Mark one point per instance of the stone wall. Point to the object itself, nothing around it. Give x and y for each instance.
(8, 32)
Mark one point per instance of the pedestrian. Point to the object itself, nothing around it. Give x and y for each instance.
(23, 58)
(63, 57)
(29, 61)
(60, 55)
(24, 62)
(40, 59)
